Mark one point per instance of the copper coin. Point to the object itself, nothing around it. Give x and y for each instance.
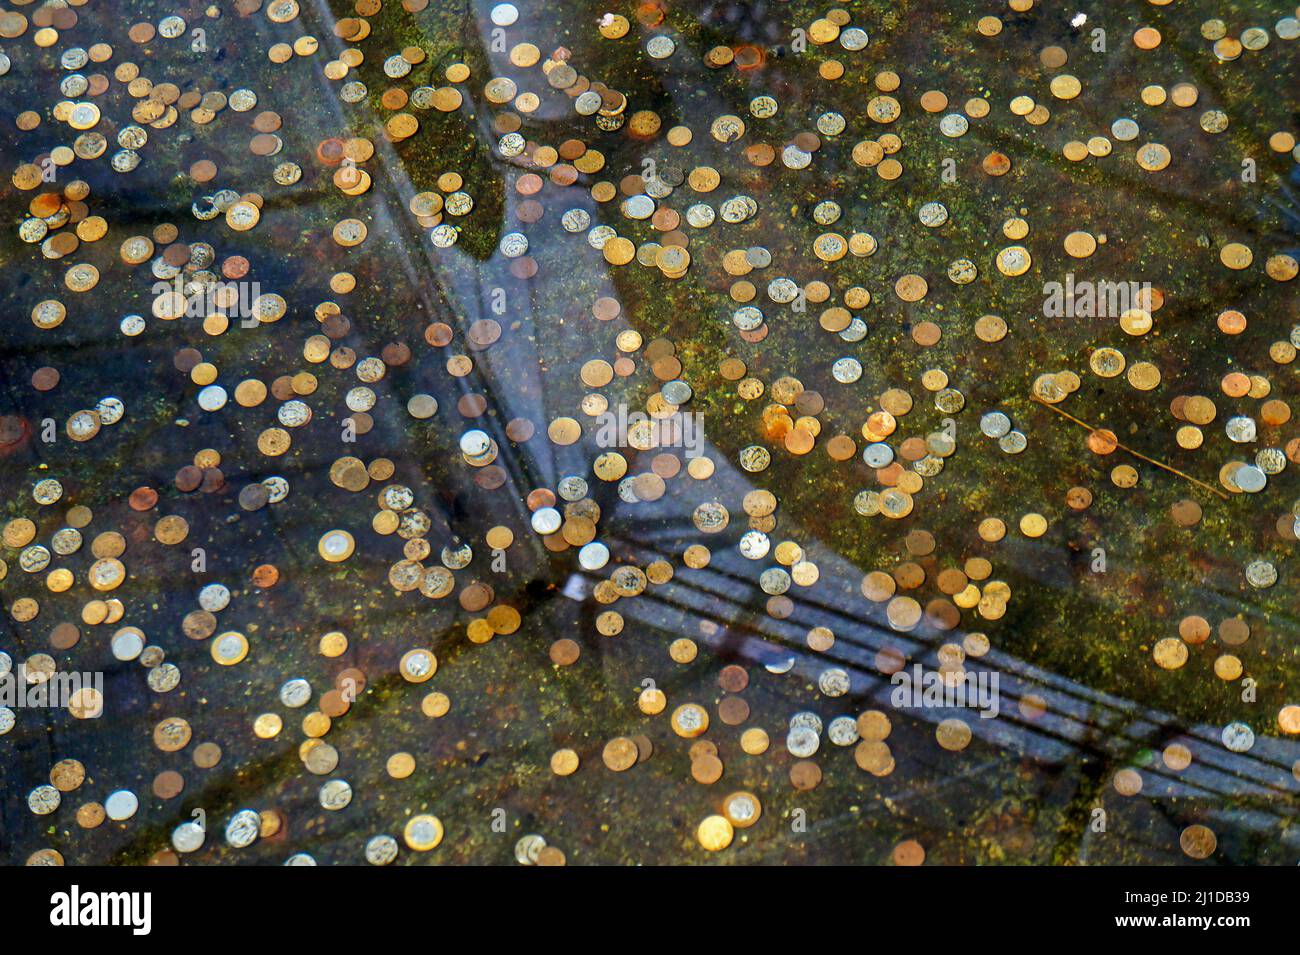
(707, 769)
(207, 755)
(620, 753)
(334, 703)
(909, 852)
(733, 710)
(476, 596)
(143, 499)
(45, 379)
(565, 652)
(733, 678)
(168, 784)
(64, 636)
(805, 775)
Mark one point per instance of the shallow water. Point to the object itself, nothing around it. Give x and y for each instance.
(1027, 788)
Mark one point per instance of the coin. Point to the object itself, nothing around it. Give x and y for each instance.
(715, 833)
(423, 832)
(1198, 842)
(620, 754)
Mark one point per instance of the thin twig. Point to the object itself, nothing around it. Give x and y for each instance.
(1137, 454)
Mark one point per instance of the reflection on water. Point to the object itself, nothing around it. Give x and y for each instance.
(340, 528)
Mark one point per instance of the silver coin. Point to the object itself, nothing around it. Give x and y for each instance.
(806, 719)
(295, 693)
(867, 503)
(121, 805)
(1124, 129)
(833, 682)
(572, 488)
(188, 837)
(855, 332)
(513, 144)
(1271, 460)
(701, 215)
(1013, 442)
(593, 556)
(1261, 574)
(396, 66)
(826, 212)
(43, 800)
(954, 125)
(127, 644)
(949, 401)
(795, 158)
(600, 235)
(528, 848)
(802, 742)
(755, 545)
(676, 392)
(575, 220)
(164, 678)
(854, 39)
(660, 47)
(1250, 479)
(546, 520)
(774, 581)
(928, 466)
(932, 215)
(66, 541)
(1254, 38)
(831, 124)
(243, 828)
(242, 100)
(1240, 429)
(843, 731)
(846, 370)
(755, 458)
(214, 597)
(335, 794)
(1238, 737)
(73, 86)
(513, 245)
(657, 188)
(381, 850)
(444, 236)
(639, 206)
(783, 290)
(171, 27)
(878, 455)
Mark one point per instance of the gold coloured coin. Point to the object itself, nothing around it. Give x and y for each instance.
(564, 762)
(619, 754)
(715, 833)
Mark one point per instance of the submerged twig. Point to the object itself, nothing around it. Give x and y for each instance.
(1137, 454)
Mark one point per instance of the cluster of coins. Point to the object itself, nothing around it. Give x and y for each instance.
(714, 226)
